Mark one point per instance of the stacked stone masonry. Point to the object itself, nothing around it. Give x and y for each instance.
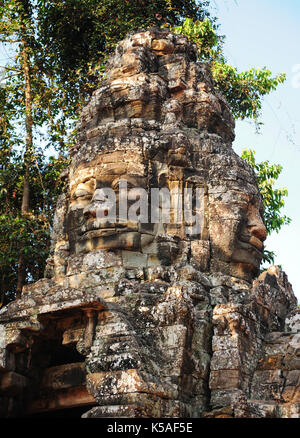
(144, 319)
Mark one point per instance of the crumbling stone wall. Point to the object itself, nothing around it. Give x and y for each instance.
(145, 319)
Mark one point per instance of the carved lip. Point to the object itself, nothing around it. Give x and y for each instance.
(104, 232)
(249, 246)
(253, 241)
(101, 228)
(104, 225)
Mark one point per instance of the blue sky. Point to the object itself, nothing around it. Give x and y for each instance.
(267, 33)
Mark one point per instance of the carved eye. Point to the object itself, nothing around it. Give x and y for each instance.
(83, 190)
(80, 193)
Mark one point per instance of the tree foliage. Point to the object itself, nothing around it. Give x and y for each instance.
(245, 90)
(29, 233)
(76, 37)
(26, 198)
(273, 198)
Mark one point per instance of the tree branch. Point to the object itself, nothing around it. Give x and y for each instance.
(9, 41)
(11, 68)
(7, 77)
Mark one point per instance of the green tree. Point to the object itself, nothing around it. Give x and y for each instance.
(17, 28)
(273, 199)
(24, 224)
(77, 36)
(244, 91)
(27, 233)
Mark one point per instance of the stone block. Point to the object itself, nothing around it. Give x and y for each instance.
(222, 397)
(16, 341)
(64, 376)
(200, 254)
(225, 379)
(226, 360)
(291, 394)
(72, 336)
(13, 383)
(162, 47)
(115, 382)
(114, 362)
(225, 342)
(67, 398)
(267, 385)
(133, 259)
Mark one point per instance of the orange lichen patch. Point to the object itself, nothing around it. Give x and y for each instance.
(63, 399)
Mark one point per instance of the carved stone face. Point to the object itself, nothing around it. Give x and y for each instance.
(237, 232)
(86, 220)
(251, 236)
(159, 123)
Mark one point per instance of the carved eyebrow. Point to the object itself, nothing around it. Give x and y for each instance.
(83, 180)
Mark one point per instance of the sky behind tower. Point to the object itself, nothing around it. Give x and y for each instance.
(267, 33)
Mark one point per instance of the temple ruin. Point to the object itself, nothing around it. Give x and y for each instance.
(145, 319)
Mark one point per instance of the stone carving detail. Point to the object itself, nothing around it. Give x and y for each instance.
(148, 319)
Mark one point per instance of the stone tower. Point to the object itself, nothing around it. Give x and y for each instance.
(148, 315)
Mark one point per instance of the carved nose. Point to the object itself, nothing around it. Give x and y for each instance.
(260, 232)
(256, 225)
(97, 202)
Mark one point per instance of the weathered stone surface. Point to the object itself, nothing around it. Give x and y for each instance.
(150, 318)
(12, 383)
(64, 376)
(63, 399)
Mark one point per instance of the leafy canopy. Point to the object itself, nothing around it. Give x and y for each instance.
(244, 91)
(273, 199)
(77, 36)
